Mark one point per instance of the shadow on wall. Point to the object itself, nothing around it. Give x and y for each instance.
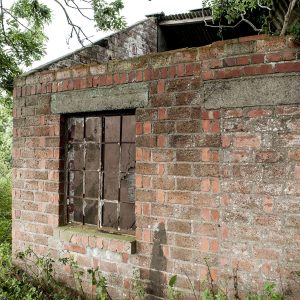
(158, 263)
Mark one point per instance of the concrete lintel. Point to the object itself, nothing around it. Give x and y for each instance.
(252, 91)
(128, 96)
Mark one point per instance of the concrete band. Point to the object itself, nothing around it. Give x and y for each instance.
(252, 91)
(127, 96)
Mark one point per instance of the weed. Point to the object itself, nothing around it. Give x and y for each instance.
(138, 287)
(173, 293)
(100, 282)
(38, 281)
(14, 284)
(43, 277)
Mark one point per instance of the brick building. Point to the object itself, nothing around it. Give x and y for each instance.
(155, 162)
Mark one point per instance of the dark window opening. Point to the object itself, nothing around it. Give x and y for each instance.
(188, 35)
(100, 170)
(188, 30)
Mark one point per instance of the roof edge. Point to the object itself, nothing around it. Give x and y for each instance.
(47, 64)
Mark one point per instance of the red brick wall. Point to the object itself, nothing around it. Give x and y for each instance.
(259, 205)
(220, 184)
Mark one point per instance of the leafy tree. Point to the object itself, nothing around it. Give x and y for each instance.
(230, 13)
(22, 37)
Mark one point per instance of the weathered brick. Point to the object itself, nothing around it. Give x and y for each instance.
(259, 113)
(63, 74)
(206, 229)
(289, 110)
(208, 140)
(163, 155)
(145, 195)
(162, 113)
(184, 198)
(287, 140)
(162, 141)
(287, 67)
(266, 253)
(179, 169)
(178, 85)
(164, 183)
(190, 184)
(179, 226)
(181, 141)
(146, 168)
(247, 141)
(185, 241)
(162, 100)
(181, 254)
(208, 75)
(164, 127)
(191, 155)
(146, 141)
(206, 170)
(188, 126)
(203, 200)
(180, 113)
(268, 156)
(160, 87)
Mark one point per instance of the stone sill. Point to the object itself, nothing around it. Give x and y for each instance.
(91, 237)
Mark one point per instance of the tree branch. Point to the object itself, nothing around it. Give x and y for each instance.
(250, 23)
(6, 38)
(76, 6)
(75, 28)
(263, 6)
(79, 9)
(231, 26)
(16, 19)
(287, 17)
(2, 22)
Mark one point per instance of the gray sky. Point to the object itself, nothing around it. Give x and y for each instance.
(134, 11)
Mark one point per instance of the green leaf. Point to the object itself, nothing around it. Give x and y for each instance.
(172, 281)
